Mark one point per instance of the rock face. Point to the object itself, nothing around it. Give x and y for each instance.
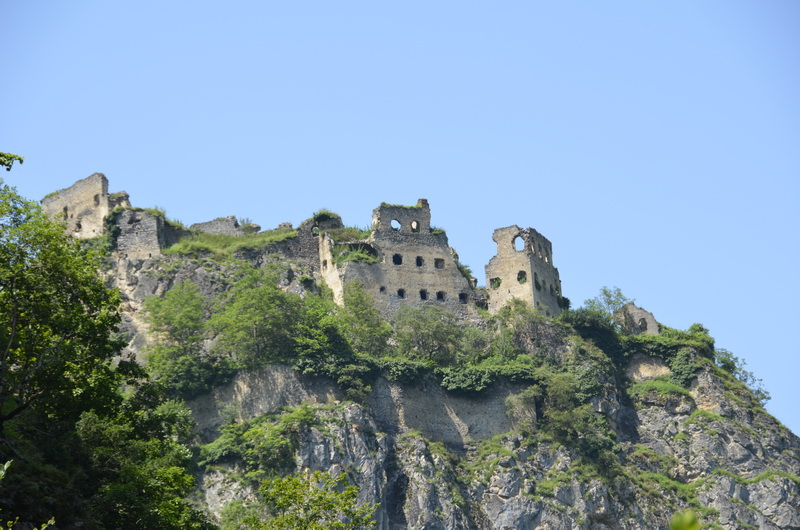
(747, 472)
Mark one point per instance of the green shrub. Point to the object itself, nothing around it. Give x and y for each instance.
(402, 370)
(466, 379)
(354, 252)
(659, 387)
(265, 444)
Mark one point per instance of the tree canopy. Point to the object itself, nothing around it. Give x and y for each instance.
(7, 160)
(57, 318)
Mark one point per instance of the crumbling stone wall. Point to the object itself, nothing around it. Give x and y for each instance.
(84, 206)
(523, 268)
(224, 225)
(636, 321)
(416, 265)
(142, 235)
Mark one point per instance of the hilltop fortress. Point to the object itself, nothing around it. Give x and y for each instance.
(402, 260)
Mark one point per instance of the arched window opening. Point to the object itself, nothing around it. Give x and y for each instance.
(440, 296)
(494, 283)
(395, 224)
(397, 259)
(420, 261)
(401, 293)
(462, 297)
(423, 294)
(97, 200)
(382, 289)
(522, 277)
(519, 244)
(414, 226)
(315, 230)
(438, 263)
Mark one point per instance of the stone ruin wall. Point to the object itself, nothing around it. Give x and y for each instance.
(416, 267)
(224, 225)
(84, 206)
(142, 235)
(523, 268)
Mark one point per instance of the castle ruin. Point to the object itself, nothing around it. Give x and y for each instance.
(403, 260)
(84, 206)
(413, 263)
(523, 268)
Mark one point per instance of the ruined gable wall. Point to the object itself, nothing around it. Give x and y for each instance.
(417, 267)
(84, 206)
(527, 274)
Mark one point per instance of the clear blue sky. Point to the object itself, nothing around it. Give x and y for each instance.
(656, 144)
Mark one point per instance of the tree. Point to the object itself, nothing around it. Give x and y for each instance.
(139, 463)
(57, 318)
(609, 301)
(736, 367)
(7, 160)
(314, 501)
(258, 321)
(428, 333)
(176, 356)
(363, 325)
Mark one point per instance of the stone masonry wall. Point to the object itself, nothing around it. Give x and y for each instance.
(224, 225)
(84, 205)
(416, 267)
(523, 268)
(416, 264)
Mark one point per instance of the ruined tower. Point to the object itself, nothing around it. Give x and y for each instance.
(84, 205)
(523, 268)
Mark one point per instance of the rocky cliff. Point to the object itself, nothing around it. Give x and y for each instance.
(633, 452)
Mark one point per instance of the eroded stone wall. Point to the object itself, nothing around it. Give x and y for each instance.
(416, 267)
(84, 206)
(224, 225)
(523, 268)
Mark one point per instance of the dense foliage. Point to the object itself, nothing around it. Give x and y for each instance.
(57, 319)
(86, 452)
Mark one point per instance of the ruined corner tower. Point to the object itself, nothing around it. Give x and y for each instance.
(84, 206)
(523, 268)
